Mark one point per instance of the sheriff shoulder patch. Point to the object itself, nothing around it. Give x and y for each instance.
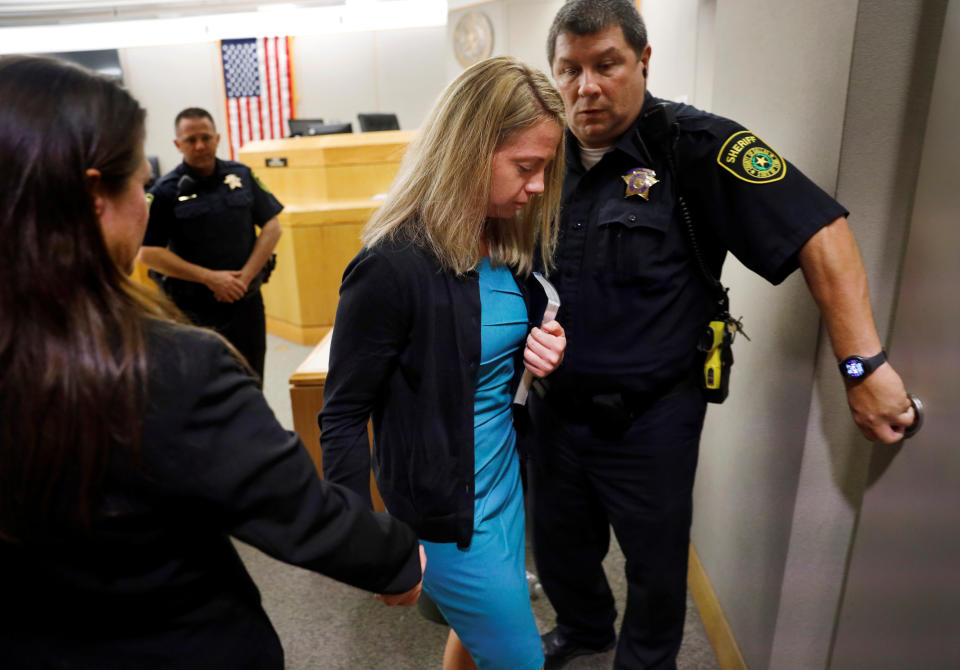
(751, 159)
(263, 187)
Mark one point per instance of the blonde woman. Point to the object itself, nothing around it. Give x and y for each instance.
(429, 341)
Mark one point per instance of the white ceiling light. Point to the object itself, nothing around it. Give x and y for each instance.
(281, 7)
(280, 20)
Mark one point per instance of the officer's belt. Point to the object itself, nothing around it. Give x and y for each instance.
(587, 407)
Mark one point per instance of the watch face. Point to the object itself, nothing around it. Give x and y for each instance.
(854, 368)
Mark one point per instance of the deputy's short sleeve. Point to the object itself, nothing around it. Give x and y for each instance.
(758, 204)
(160, 217)
(265, 204)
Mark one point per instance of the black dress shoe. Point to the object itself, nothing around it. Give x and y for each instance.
(559, 651)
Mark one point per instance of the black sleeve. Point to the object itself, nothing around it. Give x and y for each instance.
(372, 324)
(763, 221)
(265, 204)
(240, 466)
(160, 218)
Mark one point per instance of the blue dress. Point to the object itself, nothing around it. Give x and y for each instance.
(482, 591)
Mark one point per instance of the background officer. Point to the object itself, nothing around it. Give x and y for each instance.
(201, 235)
(618, 424)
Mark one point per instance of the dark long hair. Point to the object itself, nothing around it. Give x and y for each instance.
(72, 353)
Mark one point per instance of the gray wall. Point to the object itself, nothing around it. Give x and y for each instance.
(780, 69)
(838, 87)
(891, 74)
(908, 520)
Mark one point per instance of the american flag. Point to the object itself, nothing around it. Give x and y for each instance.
(258, 81)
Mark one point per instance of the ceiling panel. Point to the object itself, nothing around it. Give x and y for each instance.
(46, 12)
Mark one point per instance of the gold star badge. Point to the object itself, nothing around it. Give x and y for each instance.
(233, 181)
(639, 181)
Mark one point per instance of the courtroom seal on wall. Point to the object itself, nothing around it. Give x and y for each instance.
(473, 38)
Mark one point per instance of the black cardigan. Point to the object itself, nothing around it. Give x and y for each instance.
(406, 351)
(157, 582)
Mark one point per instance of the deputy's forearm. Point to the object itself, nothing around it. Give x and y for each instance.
(166, 262)
(834, 271)
(264, 246)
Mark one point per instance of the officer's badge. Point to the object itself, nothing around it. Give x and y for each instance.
(233, 181)
(751, 159)
(639, 181)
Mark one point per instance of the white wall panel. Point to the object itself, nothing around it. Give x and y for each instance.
(672, 33)
(528, 24)
(336, 75)
(167, 79)
(410, 73)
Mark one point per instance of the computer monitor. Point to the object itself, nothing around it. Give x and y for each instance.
(331, 129)
(302, 126)
(369, 122)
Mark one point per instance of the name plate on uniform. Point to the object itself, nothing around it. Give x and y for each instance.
(276, 161)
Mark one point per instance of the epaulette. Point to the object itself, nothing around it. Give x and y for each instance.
(693, 120)
(232, 166)
(169, 178)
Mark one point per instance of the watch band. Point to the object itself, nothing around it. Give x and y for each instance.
(858, 367)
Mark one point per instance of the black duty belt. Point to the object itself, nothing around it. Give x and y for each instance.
(608, 413)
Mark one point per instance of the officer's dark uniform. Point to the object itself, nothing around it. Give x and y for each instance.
(215, 230)
(618, 424)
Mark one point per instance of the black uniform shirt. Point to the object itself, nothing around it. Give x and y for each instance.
(632, 300)
(215, 229)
